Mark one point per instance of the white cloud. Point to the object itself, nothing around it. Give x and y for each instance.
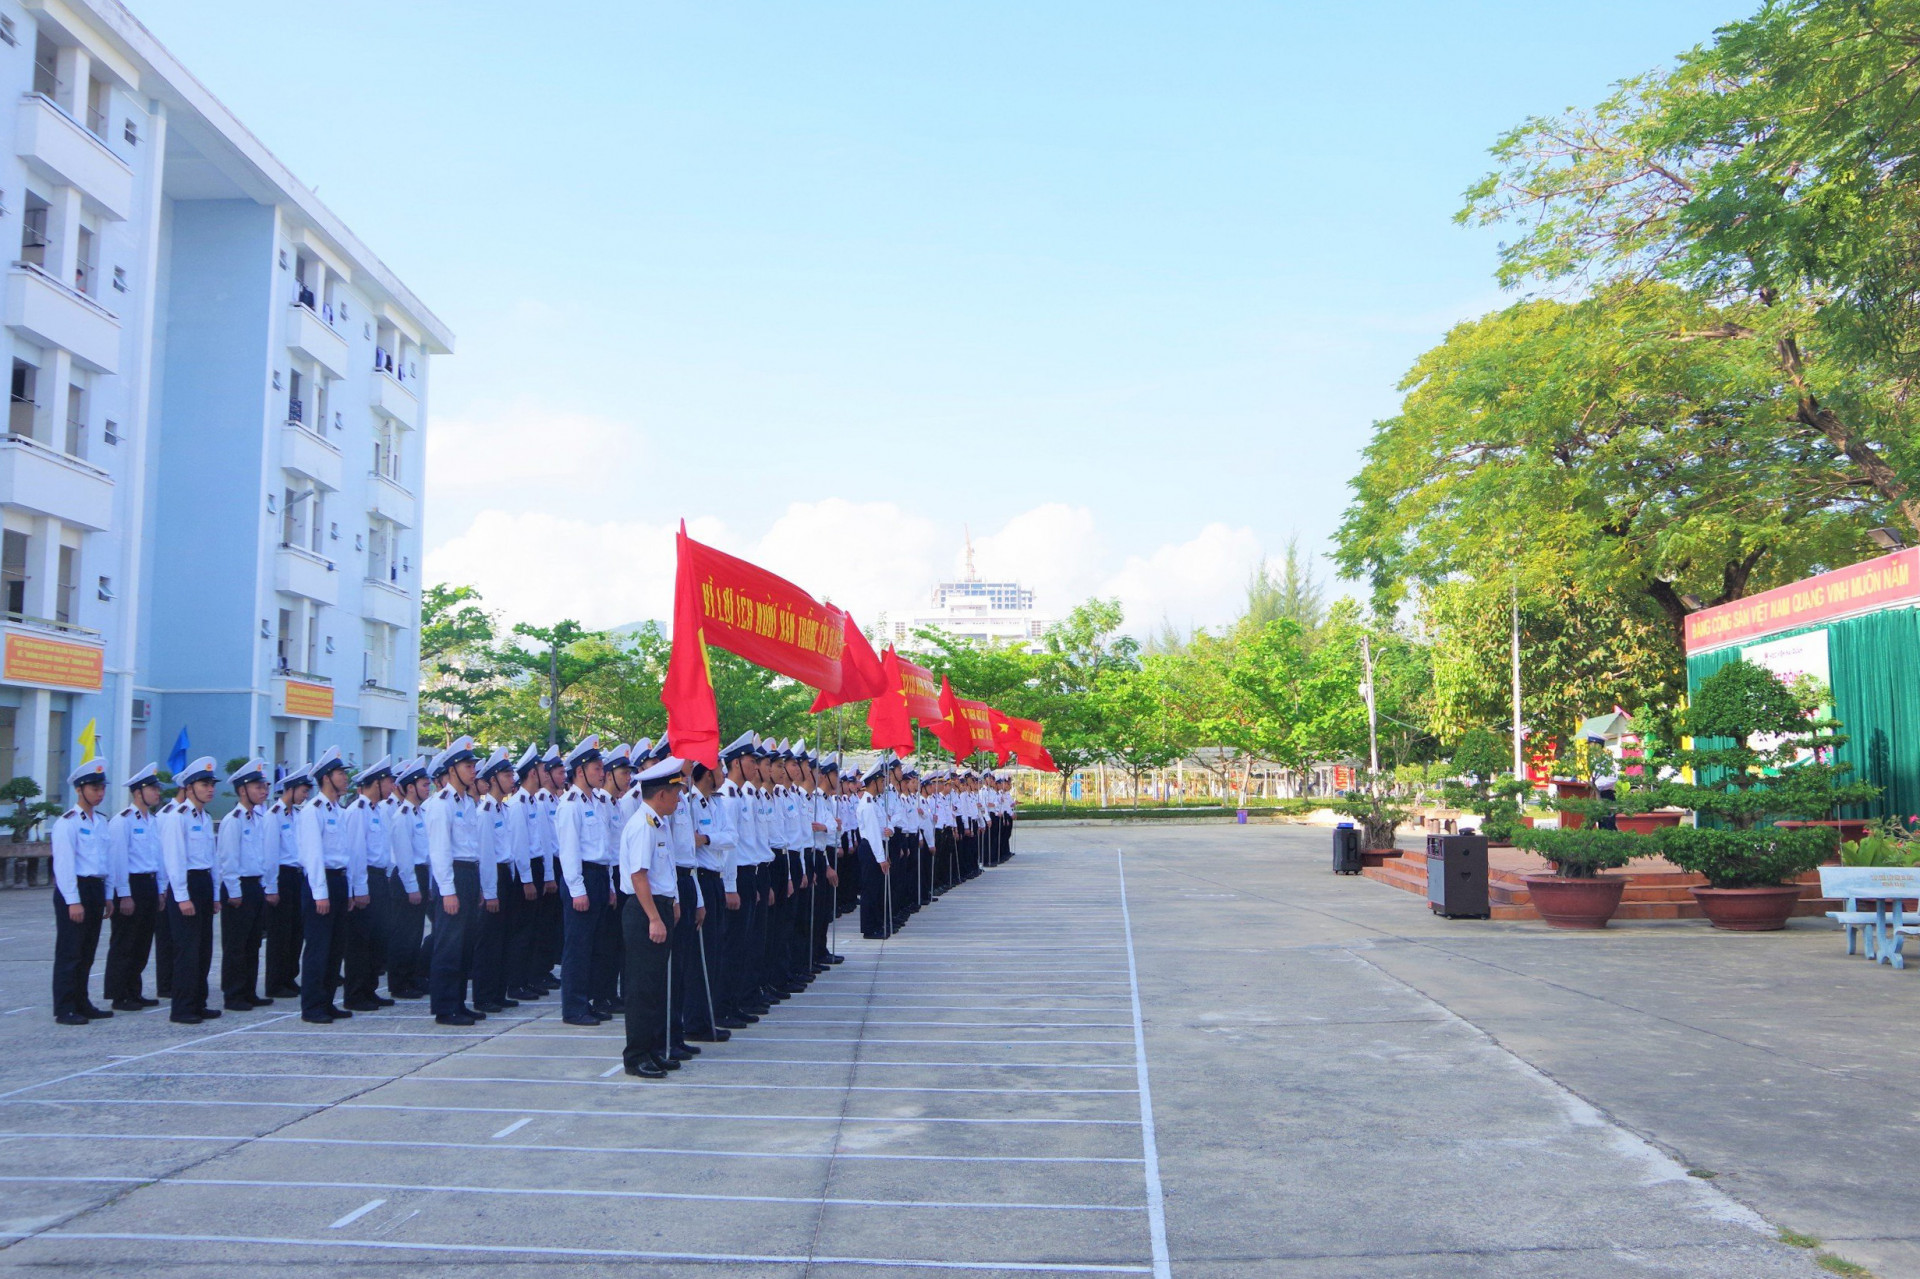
(521, 450)
(1199, 582)
(869, 557)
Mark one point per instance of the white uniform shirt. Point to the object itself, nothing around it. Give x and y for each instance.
(242, 842)
(80, 848)
(725, 832)
(186, 844)
(407, 839)
(283, 841)
(518, 846)
(646, 844)
(134, 848)
(580, 830)
(453, 835)
(327, 843)
(870, 829)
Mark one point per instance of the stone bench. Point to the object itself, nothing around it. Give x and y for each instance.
(26, 865)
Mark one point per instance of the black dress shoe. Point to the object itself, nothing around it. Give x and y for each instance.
(523, 995)
(474, 1013)
(731, 1022)
(581, 1021)
(209, 1014)
(835, 959)
(75, 1019)
(338, 1013)
(179, 1019)
(509, 1000)
(129, 1005)
(260, 1002)
(490, 1007)
(667, 1063)
(682, 1052)
(95, 1014)
(285, 992)
(321, 1018)
(647, 1068)
(362, 1006)
(144, 1002)
(454, 1019)
(238, 1006)
(381, 1000)
(755, 1011)
(718, 1035)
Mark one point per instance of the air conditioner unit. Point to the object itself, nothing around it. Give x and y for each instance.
(142, 710)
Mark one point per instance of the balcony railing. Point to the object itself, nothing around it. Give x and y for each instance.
(50, 624)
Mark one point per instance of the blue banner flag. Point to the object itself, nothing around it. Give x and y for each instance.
(178, 759)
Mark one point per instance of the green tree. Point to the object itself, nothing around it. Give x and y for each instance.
(1138, 708)
(1771, 170)
(1293, 592)
(460, 677)
(567, 655)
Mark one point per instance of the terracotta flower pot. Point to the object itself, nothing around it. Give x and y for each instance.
(1646, 823)
(1748, 910)
(1582, 902)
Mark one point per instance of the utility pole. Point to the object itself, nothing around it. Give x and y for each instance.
(1519, 748)
(553, 691)
(1373, 719)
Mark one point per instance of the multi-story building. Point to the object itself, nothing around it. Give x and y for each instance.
(990, 613)
(210, 482)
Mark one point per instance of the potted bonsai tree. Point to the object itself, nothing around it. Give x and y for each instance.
(1379, 818)
(1576, 894)
(1479, 787)
(1759, 753)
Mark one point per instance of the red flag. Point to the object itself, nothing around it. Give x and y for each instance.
(1005, 740)
(922, 694)
(951, 728)
(771, 622)
(1025, 737)
(860, 673)
(693, 722)
(978, 717)
(887, 716)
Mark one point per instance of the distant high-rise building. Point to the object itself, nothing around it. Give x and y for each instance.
(990, 613)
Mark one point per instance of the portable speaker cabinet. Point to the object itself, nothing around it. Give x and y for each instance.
(1457, 876)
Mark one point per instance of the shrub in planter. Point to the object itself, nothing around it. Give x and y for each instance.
(1577, 895)
(26, 813)
(1479, 787)
(1378, 816)
(1758, 755)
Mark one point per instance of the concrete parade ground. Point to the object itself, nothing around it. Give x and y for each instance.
(1131, 1050)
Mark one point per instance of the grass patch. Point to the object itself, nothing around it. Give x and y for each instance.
(1841, 1266)
(1705, 1174)
(1794, 1239)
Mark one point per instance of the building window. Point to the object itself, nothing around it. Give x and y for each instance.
(33, 231)
(295, 408)
(23, 408)
(83, 262)
(283, 642)
(46, 67)
(77, 422)
(66, 599)
(13, 573)
(99, 106)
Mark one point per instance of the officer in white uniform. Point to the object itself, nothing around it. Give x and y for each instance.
(587, 866)
(335, 868)
(407, 831)
(497, 828)
(242, 838)
(135, 857)
(284, 917)
(82, 867)
(647, 867)
(874, 834)
(368, 927)
(188, 852)
(527, 947)
(463, 882)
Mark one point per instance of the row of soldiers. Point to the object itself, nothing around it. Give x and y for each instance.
(468, 880)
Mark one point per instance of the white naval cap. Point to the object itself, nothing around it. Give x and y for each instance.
(588, 749)
(410, 771)
(873, 774)
(147, 776)
(201, 770)
(93, 772)
(527, 760)
(642, 748)
(741, 745)
(382, 767)
(461, 748)
(494, 763)
(620, 756)
(327, 762)
(667, 770)
(552, 755)
(301, 776)
(254, 770)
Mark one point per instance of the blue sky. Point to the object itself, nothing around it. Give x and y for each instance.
(1118, 286)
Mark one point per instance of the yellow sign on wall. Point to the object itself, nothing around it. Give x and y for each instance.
(309, 701)
(33, 660)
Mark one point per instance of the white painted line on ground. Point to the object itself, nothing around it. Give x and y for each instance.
(704, 1117)
(513, 1127)
(614, 1069)
(940, 1043)
(381, 1034)
(773, 1061)
(303, 1052)
(577, 1150)
(560, 1192)
(356, 1214)
(11, 1011)
(222, 1074)
(1149, 1146)
(155, 1053)
(967, 1025)
(601, 1254)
